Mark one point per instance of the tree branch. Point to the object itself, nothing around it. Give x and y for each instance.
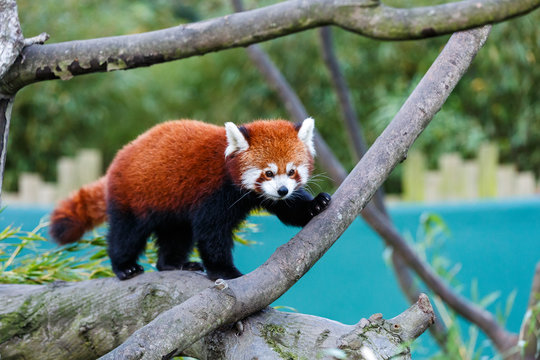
(11, 38)
(377, 220)
(380, 222)
(83, 320)
(11, 43)
(354, 130)
(365, 17)
(292, 260)
(343, 94)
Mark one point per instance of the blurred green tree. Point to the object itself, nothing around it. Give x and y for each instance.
(497, 100)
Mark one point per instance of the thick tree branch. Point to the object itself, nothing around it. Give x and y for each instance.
(501, 338)
(382, 224)
(11, 43)
(366, 17)
(292, 260)
(11, 38)
(378, 220)
(84, 320)
(354, 131)
(6, 104)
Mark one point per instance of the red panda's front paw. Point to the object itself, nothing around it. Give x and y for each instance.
(318, 204)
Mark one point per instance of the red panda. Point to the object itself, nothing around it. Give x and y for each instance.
(190, 183)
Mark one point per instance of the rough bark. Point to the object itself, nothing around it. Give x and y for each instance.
(85, 320)
(11, 38)
(354, 131)
(11, 43)
(365, 17)
(235, 299)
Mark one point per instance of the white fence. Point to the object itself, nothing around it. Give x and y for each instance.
(457, 178)
(72, 173)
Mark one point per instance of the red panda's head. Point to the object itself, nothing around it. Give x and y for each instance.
(272, 157)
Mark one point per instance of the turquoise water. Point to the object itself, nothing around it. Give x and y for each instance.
(497, 244)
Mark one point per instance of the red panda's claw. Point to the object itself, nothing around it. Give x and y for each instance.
(320, 203)
(129, 272)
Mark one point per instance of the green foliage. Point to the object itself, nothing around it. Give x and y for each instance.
(497, 99)
(24, 260)
(27, 257)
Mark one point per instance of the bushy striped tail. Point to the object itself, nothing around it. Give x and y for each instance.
(83, 210)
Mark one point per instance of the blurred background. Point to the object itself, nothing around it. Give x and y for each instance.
(497, 100)
(490, 124)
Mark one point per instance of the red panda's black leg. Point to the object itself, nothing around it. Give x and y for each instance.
(213, 222)
(175, 243)
(126, 239)
(216, 254)
(299, 208)
(213, 235)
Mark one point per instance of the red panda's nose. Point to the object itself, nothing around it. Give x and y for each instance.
(282, 191)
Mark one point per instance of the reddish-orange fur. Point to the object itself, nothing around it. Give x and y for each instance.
(277, 144)
(81, 212)
(190, 184)
(188, 165)
(174, 165)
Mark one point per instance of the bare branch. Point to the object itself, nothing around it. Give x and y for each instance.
(89, 318)
(501, 338)
(343, 94)
(366, 17)
(40, 39)
(11, 38)
(401, 270)
(381, 223)
(11, 43)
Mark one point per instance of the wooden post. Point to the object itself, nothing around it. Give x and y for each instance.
(89, 165)
(452, 180)
(46, 194)
(433, 186)
(29, 184)
(525, 184)
(488, 157)
(413, 177)
(470, 183)
(67, 176)
(506, 181)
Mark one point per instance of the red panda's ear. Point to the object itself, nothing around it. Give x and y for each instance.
(235, 139)
(305, 134)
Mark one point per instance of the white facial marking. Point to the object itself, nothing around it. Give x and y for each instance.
(271, 187)
(272, 167)
(250, 176)
(290, 166)
(303, 172)
(235, 139)
(305, 134)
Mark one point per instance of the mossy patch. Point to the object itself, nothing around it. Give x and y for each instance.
(273, 335)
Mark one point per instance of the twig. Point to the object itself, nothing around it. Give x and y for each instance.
(40, 39)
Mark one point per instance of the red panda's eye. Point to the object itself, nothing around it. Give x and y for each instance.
(291, 172)
(269, 174)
